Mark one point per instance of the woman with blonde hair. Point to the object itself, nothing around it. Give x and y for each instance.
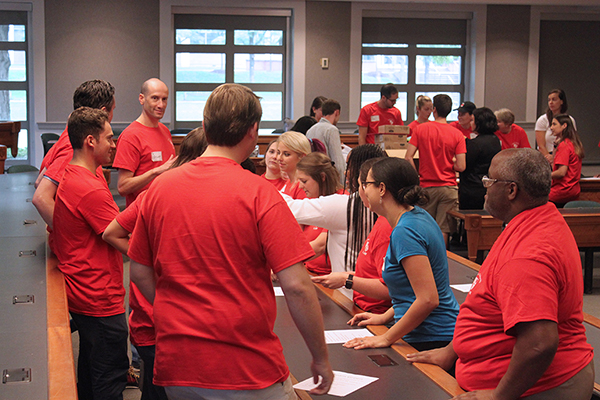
(424, 109)
(272, 170)
(291, 148)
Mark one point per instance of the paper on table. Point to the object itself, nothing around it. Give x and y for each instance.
(278, 291)
(343, 383)
(343, 335)
(463, 287)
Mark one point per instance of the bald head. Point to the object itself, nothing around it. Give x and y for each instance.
(153, 84)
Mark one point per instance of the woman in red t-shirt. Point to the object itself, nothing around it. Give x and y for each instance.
(291, 148)
(566, 169)
(318, 177)
(273, 172)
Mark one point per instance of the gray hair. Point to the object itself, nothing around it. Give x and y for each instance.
(530, 170)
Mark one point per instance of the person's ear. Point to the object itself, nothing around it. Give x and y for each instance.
(512, 191)
(141, 98)
(323, 177)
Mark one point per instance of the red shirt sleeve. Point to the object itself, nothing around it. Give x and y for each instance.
(99, 209)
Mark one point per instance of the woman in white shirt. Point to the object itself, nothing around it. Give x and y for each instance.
(557, 104)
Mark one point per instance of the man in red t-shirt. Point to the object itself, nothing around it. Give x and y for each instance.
(511, 136)
(209, 276)
(520, 331)
(382, 112)
(95, 94)
(92, 268)
(145, 149)
(465, 118)
(442, 150)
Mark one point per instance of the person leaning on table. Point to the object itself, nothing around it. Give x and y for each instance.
(520, 333)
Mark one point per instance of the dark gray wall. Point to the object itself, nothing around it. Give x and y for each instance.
(115, 40)
(328, 35)
(507, 48)
(569, 60)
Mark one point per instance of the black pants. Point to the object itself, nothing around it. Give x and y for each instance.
(149, 390)
(103, 362)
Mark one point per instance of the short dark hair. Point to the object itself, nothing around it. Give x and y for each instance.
(95, 94)
(230, 111)
(485, 121)
(303, 124)
(83, 122)
(442, 104)
(388, 90)
(330, 106)
(401, 179)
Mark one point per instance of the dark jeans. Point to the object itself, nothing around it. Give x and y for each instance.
(103, 362)
(149, 390)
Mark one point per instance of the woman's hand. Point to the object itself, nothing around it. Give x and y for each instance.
(332, 281)
(367, 318)
(368, 342)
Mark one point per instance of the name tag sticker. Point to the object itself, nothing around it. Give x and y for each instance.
(157, 156)
(374, 118)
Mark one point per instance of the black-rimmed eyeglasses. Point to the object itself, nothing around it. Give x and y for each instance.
(364, 184)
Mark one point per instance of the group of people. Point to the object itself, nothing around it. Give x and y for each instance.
(207, 238)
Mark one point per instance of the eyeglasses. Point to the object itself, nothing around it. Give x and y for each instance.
(488, 182)
(392, 100)
(364, 184)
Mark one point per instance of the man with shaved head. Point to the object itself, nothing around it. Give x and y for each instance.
(520, 333)
(145, 149)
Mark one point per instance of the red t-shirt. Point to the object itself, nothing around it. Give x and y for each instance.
(93, 269)
(516, 138)
(215, 309)
(466, 132)
(567, 188)
(322, 264)
(279, 183)
(372, 116)
(532, 273)
(55, 162)
(438, 144)
(294, 191)
(141, 323)
(413, 125)
(369, 264)
(141, 148)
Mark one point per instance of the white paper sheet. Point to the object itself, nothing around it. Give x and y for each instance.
(343, 383)
(463, 287)
(343, 335)
(278, 291)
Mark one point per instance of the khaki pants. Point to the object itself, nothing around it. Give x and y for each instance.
(277, 391)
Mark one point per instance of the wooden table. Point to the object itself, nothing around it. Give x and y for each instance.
(590, 189)
(9, 136)
(483, 229)
(403, 381)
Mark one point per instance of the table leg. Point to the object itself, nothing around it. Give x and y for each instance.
(588, 275)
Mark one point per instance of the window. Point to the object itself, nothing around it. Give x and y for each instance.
(214, 49)
(14, 74)
(419, 56)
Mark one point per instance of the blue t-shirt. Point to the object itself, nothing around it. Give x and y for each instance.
(417, 233)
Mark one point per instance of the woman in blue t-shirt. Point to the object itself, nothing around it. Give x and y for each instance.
(416, 265)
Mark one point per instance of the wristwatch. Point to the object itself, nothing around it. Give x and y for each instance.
(349, 281)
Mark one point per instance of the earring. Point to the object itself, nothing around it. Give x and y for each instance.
(380, 200)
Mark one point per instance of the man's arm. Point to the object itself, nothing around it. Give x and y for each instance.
(117, 236)
(411, 149)
(43, 200)
(533, 353)
(129, 183)
(304, 307)
(143, 277)
(38, 180)
(362, 135)
(460, 162)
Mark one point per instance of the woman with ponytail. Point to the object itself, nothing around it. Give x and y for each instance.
(416, 266)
